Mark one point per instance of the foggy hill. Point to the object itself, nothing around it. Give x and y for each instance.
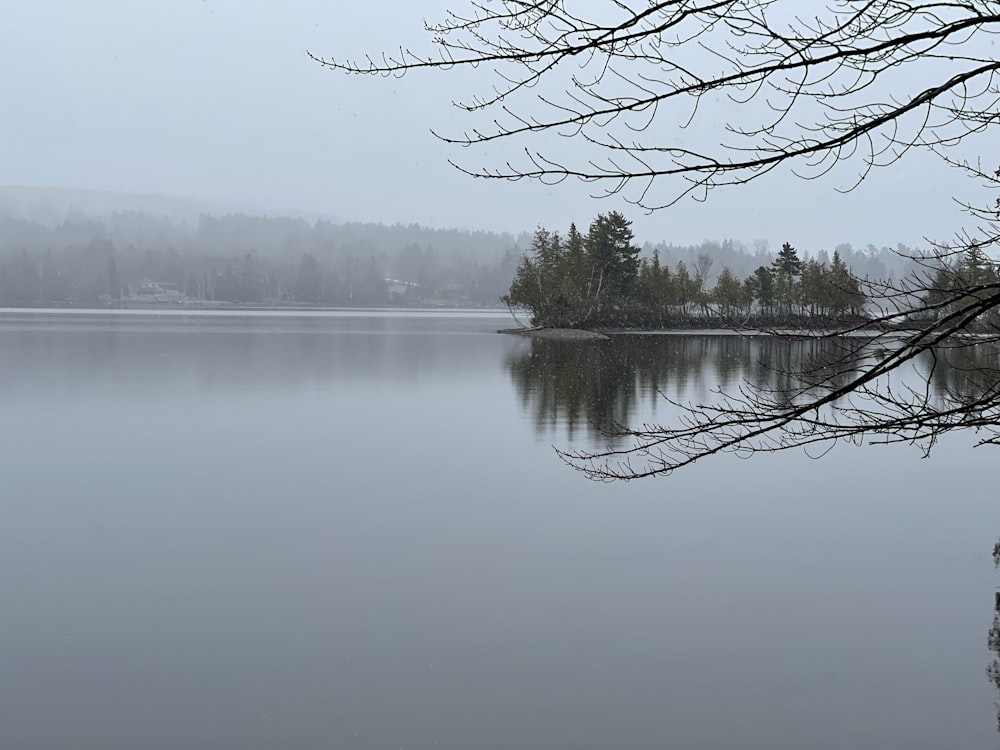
(51, 205)
(79, 247)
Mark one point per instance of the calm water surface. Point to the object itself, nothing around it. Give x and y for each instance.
(349, 530)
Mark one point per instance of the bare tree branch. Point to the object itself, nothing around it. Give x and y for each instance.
(811, 87)
(839, 87)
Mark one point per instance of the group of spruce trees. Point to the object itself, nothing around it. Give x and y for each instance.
(967, 277)
(598, 279)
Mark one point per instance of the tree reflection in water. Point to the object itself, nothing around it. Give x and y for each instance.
(599, 385)
(993, 637)
(595, 384)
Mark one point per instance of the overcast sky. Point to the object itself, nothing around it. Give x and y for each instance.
(217, 100)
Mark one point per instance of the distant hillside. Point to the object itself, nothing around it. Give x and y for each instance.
(49, 205)
(81, 247)
(89, 248)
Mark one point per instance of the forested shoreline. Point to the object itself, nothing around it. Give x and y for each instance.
(131, 258)
(136, 258)
(599, 281)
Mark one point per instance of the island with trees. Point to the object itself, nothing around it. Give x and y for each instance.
(597, 280)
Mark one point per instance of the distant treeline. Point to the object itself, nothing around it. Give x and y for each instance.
(743, 259)
(249, 260)
(51, 257)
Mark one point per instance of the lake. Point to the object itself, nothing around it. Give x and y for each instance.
(350, 530)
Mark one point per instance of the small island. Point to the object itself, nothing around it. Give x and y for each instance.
(597, 282)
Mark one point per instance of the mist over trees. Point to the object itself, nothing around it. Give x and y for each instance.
(54, 253)
(744, 258)
(82, 260)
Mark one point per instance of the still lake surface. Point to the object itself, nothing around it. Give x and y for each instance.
(350, 530)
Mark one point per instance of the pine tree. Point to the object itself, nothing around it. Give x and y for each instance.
(845, 293)
(613, 259)
(787, 268)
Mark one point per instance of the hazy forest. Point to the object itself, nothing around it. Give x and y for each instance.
(76, 251)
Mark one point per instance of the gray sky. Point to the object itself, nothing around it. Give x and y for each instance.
(217, 100)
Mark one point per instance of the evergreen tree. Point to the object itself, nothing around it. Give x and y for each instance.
(685, 287)
(787, 268)
(549, 280)
(763, 288)
(970, 273)
(845, 292)
(728, 293)
(815, 288)
(613, 259)
(576, 273)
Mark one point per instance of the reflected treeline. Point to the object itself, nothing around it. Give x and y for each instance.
(993, 637)
(230, 354)
(599, 385)
(963, 373)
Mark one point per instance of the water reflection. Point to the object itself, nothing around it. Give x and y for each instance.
(48, 354)
(963, 374)
(993, 637)
(595, 386)
(600, 385)
(291, 533)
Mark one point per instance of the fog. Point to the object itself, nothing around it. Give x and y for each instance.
(217, 101)
(274, 495)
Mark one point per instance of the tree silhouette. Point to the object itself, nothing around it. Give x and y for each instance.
(855, 84)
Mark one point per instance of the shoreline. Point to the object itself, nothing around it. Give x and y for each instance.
(584, 334)
(556, 334)
(606, 334)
